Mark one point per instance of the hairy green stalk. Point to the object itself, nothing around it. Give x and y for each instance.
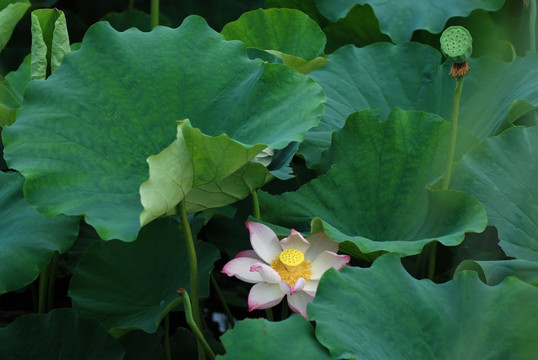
(222, 300)
(269, 314)
(154, 13)
(43, 288)
(432, 253)
(285, 312)
(52, 280)
(431, 249)
(255, 205)
(193, 325)
(453, 133)
(46, 285)
(193, 269)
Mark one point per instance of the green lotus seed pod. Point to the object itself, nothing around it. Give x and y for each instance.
(457, 44)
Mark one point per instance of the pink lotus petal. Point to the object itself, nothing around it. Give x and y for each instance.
(288, 290)
(299, 301)
(325, 261)
(267, 273)
(264, 295)
(295, 241)
(264, 241)
(248, 253)
(320, 242)
(285, 287)
(299, 285)
(240, 268)
(311, 287)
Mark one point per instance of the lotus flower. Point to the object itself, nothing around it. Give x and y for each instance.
(291, 267)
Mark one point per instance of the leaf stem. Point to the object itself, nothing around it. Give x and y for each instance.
(269, 314)
(285, 311)
(52, 280)
(255, 205)
(532, 25)
(453, 133)
(222, 300)
(167, 337)
(154, 13)
(43, 288)
(192, 324)
(193, 266)
(46, 285)
(431, 249)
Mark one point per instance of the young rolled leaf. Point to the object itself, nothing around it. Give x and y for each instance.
(501, 173)
(149, 271)
(28, 239)
(207, 172)
(374, 197)
(114, 114)
(50, 41)
(359, 311)
(60, 334)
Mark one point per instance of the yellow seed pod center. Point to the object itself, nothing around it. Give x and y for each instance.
(291, 258)
(291, 265)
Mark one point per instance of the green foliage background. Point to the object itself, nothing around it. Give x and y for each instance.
(352, 95)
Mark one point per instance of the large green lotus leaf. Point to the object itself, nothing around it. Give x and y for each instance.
(360, 27)
(11, 89)
(299, 64)
(207, 172)
(501, 173)
(10, 14)
(408, 75)
(306, 6)
(384, 313)
(375, 195)
(235, 187)
(27, 238)
(494, 92)
(288, 34)
(60, 334)
(134, 285)
(132, 17)
(398, 19)
(379, 76)
(286, 30)
(291, 339)
(217, 13)
(3, 165)
(494, 272)
(82, 137)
